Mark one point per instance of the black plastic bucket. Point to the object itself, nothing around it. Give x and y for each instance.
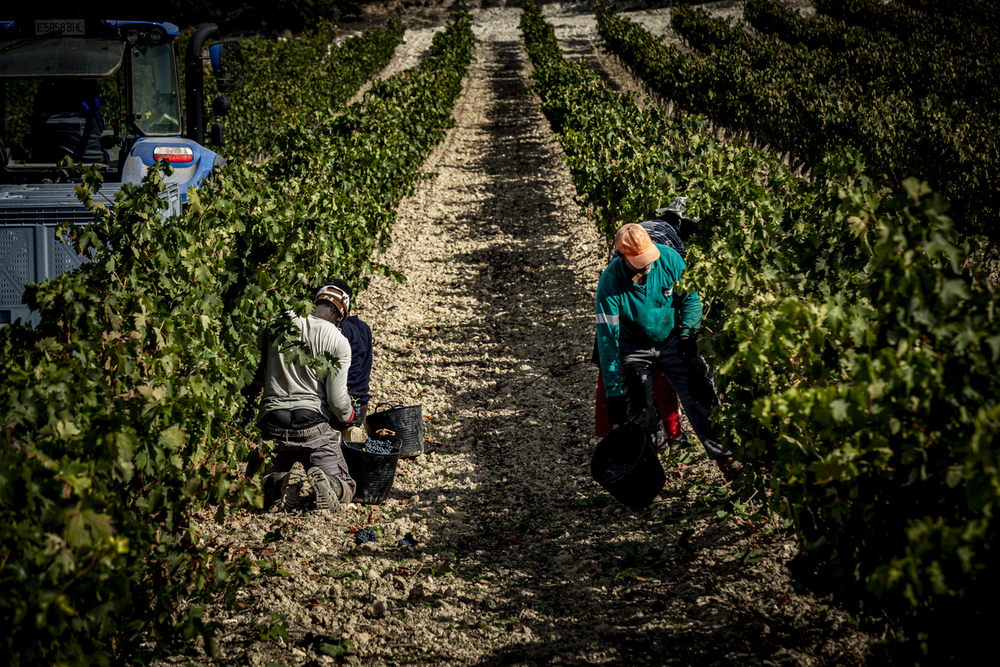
(373, 473)
(407, 422)
(626, 465)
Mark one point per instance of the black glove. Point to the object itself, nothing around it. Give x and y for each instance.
(617, 410)
(687, 349)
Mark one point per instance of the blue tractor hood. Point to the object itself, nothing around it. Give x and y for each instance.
(191, 161)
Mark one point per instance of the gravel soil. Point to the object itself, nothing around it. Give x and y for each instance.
(521, 557)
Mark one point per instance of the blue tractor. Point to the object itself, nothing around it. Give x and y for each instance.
(98, 92)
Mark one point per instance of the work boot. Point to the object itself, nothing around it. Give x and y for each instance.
(730, 468)
(271, 486)
(291, 488)
(346, 495)
(678, 443)
(326, 497)
(672, 444)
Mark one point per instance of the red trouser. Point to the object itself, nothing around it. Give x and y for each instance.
(666, 405)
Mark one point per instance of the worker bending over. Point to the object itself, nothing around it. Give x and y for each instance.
(645, 322)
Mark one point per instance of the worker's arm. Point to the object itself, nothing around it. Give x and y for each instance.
(252, 390)
(688, 305)
(607, 312)
(337, 399)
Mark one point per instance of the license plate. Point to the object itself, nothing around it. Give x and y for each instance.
(66, 27)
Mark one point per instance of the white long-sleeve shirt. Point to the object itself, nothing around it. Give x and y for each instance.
(291, 387)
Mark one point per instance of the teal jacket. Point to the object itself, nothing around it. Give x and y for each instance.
(642, 315)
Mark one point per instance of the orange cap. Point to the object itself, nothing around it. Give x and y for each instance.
(634, 244)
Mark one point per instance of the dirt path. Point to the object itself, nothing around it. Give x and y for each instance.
(522, 558)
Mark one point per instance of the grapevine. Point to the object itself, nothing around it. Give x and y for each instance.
(853, 333)
(121, 406)
(916, 107)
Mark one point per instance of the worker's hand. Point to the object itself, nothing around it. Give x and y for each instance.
(617, 410)
(687, 348)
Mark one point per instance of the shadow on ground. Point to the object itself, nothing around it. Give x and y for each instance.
(577, 580)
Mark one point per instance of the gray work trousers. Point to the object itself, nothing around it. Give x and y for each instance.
(692, 381)
(317, 446)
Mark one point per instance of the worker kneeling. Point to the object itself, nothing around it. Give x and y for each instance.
(295, 412)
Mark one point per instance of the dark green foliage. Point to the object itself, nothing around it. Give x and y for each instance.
(916, 104)
(855, 338)
(120, 408)
(115, 409)
(978, 11)
(268, 104)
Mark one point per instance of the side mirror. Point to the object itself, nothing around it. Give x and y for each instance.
(227, 63)
(221, 106)
(216, 134)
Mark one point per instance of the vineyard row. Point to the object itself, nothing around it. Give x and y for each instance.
(855, 340)
(898, 109)
(120, 407)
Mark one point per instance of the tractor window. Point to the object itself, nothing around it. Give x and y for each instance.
(59, 96)
(60, 56)
(45, 120)
(156, 100)
(113, 107)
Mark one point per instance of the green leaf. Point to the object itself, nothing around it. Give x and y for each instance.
(953, 291)
(839, 409)
(76, 533)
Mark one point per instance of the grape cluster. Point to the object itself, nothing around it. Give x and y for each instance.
(408, 541)
(364, 535)
(617, 470)
(373, 446)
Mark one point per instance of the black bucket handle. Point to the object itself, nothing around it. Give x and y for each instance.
(391, 406)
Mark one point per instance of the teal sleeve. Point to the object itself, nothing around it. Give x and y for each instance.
(607, 314)
(690, 314)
